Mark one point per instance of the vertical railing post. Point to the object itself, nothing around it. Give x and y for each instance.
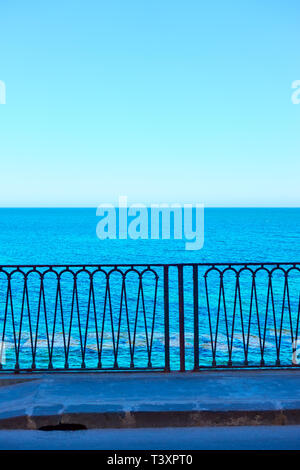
(166, 317)
(196, 317)
(181, 318)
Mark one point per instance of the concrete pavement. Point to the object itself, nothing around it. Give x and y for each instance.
(220, 438)
(116, 400)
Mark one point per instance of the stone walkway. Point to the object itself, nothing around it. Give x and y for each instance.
(215, 438)
(97, 400)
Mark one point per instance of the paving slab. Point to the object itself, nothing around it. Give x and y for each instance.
(108, 400)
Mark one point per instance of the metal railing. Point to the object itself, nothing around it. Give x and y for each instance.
(149, 317)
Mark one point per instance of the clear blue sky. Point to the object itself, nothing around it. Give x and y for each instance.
(159, 100)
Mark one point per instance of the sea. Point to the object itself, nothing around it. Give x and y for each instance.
(67, 236)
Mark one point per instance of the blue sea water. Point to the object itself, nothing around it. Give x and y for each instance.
(62, 236)
(68, 236)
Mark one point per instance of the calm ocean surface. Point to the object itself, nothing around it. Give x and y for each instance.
(68, 236)
(62, 236)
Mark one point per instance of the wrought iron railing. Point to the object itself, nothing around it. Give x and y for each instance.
(149, 317)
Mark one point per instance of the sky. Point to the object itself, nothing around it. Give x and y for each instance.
(161, 101)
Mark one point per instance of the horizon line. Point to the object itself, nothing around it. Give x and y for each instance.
(149, 206)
